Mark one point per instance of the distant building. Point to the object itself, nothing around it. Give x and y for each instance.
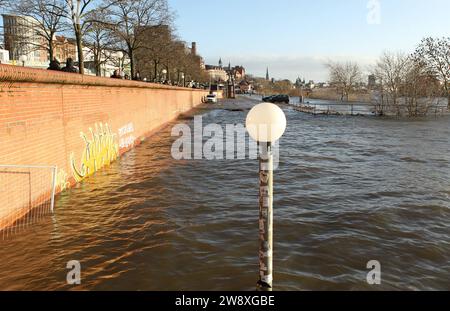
(21, 39)
(267, 74)
(194, 48)
(245, 87)
(65, 48)
(4, 56)
(217, 73)
(239, 72)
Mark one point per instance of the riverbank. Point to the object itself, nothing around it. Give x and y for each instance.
(333, 95)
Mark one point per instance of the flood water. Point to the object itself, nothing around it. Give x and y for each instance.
(348, 190)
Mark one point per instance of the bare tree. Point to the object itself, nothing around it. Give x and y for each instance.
(99, 40)
(421, 89)
(195, 69)
(407, 86)
(176, 52)
(391, 71)
(156, 47)
(178, 60)
(78, 12)
(345, 76)
(132, 18)
(435, 55)
(40, 20)
(183, 60)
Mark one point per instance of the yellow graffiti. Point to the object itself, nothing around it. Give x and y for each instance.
(62, 180)
(100, 150)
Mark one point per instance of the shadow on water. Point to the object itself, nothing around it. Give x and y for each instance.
(348, 190)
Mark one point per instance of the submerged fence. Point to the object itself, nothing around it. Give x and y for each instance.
(323, 107)
(337, 109)
(27, 194)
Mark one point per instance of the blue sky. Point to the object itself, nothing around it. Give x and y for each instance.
(295, 37)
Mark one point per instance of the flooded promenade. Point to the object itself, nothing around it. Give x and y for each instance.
(348, 190)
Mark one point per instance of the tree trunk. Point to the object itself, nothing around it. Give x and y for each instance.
(448, 100)
(155, 62)
(447, 93)
(79, 48)
(131, 55)
(51, 49)
(168, 73)
(97, 60)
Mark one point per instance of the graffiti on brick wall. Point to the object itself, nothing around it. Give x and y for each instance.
(126, 136)
(62, 180)
(100, 150)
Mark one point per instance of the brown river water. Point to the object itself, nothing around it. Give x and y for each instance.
(348, 190)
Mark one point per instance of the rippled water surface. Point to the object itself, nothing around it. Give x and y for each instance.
(348, 190)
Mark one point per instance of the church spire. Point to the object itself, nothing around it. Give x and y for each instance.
(267, 74)
(220, 62)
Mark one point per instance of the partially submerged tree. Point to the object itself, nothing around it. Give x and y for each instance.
(391, 70)
(345, 77)
(420, 90)
(434, 54)
(406, 85)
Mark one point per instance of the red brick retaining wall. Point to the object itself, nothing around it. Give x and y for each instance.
(77, 123)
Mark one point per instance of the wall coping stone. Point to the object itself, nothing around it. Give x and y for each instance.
(13, 74)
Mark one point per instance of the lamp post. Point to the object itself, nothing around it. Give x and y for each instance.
(120, 55)
(164, 72)
(266, 123)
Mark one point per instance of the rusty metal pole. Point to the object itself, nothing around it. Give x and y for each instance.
(266, 218)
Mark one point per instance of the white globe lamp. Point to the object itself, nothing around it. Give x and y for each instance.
(266, 123)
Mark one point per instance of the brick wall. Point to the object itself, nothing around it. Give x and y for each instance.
(43, 115)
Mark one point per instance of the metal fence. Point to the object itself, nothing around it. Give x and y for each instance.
(424, 107)
(353, 109)
(27, 194)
